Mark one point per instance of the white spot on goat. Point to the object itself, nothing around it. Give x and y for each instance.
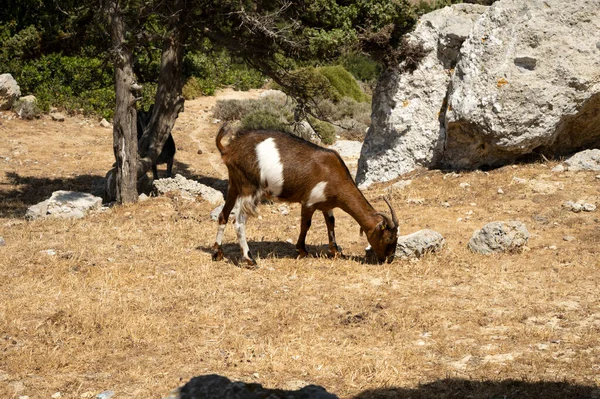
(271, 168)
(317, 194)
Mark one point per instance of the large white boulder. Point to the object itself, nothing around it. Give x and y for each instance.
(9, 91)
(498, 83)
(405, 129)
(528, 80)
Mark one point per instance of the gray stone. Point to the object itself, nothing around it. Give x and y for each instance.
(219, 387)
(417, 244)
(9, 91)
(189, 189)
(512, 91)
(106, 124)
(57, 117)
(509, 236)
(2, 242)
(405, 129)
(26, 107)
(493, 88)
(584, 160)
(64, 204)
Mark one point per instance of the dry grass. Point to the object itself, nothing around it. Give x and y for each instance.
(133, 303)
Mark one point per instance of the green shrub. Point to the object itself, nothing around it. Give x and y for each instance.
(192, 89)
(361, 67)
(326, 131)
(343, 83)
(265, 120)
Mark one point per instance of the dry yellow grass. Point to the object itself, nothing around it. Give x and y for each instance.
(132, 302)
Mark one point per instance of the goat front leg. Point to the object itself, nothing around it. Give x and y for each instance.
(306, 218)
(217, 250)
(334, 250)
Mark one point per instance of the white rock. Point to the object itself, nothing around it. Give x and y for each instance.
(499, 237)
(417, 244)
(9, 91)
(405, 130)
(104, 123)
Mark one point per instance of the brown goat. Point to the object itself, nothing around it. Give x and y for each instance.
(278, 165)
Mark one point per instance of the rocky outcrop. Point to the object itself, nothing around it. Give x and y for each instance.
(9, 91)
(499, 83)
(189, 189)
(405, 129)
(528, 81)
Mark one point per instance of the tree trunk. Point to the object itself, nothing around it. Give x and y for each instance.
(169, 100)
(124, 124)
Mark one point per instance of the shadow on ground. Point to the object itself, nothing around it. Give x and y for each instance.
(216, 386)
(273, 249)
(32, 190)
(503, 389)
(20, 191)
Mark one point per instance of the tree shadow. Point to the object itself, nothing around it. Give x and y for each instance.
(275, 250)
(31, 190)
(503, 389)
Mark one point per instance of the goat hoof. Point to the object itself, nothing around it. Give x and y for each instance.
(251, 263)
(217, 254)
(302, 254)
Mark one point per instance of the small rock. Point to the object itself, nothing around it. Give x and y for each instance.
(446, 204)
(568, 238)
(143, 197)
(105, 395)
(57, 117)
(519, 180)
(589, 207)
(105, 123)
(199, 152)
(49, 252)
(500, 191)
(558, 168)
(2, 242)
(553, 247)
(417, 244)
(56, 395)
(509, 236)
(284, 209)
(598, 177)
(87, 395)
(464, 185)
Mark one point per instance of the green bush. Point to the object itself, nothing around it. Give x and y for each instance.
(265, 120)
(343, 83)
(361, 67)
(326, 131)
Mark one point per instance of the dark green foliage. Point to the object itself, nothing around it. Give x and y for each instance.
(361, 67)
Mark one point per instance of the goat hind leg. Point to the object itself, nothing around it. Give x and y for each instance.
(334, 250)
(217, 250)
(305, 223)
(240, 229)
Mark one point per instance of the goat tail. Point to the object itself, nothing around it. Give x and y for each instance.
(225, 129)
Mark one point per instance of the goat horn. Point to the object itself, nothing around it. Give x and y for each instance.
(394, 218)
(389, 223)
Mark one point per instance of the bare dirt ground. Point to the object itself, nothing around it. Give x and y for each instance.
(129, 300)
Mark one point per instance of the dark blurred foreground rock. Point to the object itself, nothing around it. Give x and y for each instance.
(218, 387)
